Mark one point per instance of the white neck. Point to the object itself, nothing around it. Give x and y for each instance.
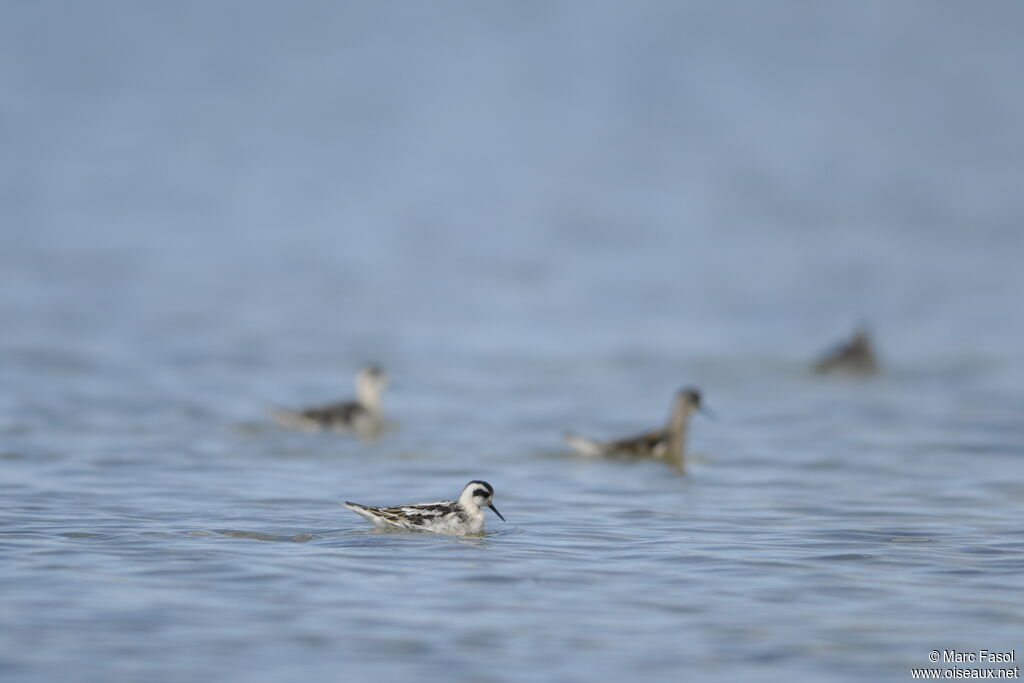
(369, 396)
(368, 390)
(467, 502)
(676, 428)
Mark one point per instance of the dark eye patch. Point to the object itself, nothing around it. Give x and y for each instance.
(482, 493)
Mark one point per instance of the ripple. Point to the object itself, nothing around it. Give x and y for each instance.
(260, 536)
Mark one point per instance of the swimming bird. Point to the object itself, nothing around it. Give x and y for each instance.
(855, 356)
(363, 415)
(457, 518)
(667, 443)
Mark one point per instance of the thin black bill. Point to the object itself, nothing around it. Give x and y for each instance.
(491, 505)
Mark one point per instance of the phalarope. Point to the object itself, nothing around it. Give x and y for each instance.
(363, 415)
(457, 518)
(667, 443)
(856, 356)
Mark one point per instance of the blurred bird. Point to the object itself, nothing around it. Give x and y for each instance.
(856, 356)
(667, 443)
(362, 416)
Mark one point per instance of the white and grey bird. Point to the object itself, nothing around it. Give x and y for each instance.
(667, 443)
(458, 518)
(362, 415)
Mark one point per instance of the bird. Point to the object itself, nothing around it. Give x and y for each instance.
(362, 415)
(856, 356)
(667, 443)
(457, 518)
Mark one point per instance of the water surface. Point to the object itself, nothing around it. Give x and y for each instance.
(538, 218)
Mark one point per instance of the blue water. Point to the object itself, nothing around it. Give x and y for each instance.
(538, 217)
